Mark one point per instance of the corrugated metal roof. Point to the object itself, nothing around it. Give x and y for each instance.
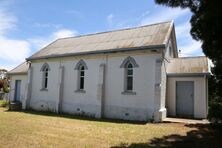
(144, 36)
(188, 65)
(21, 69)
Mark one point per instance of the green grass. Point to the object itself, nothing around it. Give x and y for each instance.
(38, 129)
(3, 103)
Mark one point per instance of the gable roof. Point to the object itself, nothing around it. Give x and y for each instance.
(20, 69)
(149, 36)
(188, 66)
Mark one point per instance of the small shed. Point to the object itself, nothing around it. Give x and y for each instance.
(18, 83)
(187, 87)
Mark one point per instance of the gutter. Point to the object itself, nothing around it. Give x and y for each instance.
(18, 73)
(99, 51)
(188, 74)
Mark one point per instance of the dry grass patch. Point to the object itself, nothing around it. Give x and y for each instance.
(35, 129)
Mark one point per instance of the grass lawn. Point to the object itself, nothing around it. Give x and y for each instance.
(36, 129)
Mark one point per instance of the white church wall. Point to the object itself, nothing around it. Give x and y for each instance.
(81, 102)
(139, 106)
(44, 99)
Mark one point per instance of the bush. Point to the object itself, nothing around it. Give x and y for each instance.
(6, 90)
(215, 112)
(3, 103)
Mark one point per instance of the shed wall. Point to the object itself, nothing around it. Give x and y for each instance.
(23, 78)
(200, 95)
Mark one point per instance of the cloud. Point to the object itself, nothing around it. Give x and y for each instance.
(64, 33)
(192, 48)
(12, 51)
(187, 45)
(110, 20)
(7, 22)
(165, 14)
(183, 30)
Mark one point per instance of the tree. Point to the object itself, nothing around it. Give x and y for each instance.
(206, 26)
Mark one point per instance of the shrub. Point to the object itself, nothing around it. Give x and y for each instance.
(6, 90)
(215, 112)
(3, 103)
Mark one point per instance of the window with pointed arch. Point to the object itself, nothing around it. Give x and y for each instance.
(81, 67)
(81, 77)
(129, 64)
(45, 76)
(129, 77)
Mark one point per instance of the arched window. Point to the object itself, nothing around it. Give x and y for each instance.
(129, 77)
(129, 64)
(45, 76)
(81, 67)
(81, 77)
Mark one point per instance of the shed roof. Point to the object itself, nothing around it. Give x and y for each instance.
(188, 65)
(154, 35)
(20, 69)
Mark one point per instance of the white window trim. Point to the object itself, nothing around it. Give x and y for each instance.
(45, 68)
(78, 67)
(124, 65)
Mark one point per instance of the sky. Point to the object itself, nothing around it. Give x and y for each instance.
(27, 26)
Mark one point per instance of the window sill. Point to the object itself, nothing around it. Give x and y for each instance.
(80, 91)
(129, 93)
(44, 89)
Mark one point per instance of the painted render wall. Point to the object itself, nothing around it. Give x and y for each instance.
(42, 99)
(161, 83)
(23, 78)
(200, 95)
(114, 104)
(124, 106)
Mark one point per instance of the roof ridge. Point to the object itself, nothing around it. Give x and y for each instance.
(103, 32)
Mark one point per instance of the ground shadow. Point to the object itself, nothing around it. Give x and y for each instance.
(204, 136)
(79, 117)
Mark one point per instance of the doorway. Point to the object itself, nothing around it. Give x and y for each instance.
(185, 99)
(17, 90)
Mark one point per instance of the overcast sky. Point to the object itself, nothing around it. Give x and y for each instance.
(28, 25)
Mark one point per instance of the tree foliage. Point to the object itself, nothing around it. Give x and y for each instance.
(4, 85)
(206, 26)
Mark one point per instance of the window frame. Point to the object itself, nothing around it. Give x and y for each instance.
(45, 77)
(128, 87)
(125, 65)
(81, 77)
(81, 64)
